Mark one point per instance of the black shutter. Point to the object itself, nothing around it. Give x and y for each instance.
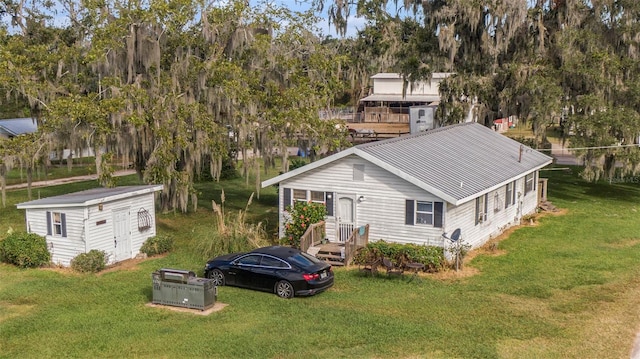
(49, 231)
(409, 212)
(513, 193)
(287, 198)
(328, 200)
(535, 180)
(63, 223)
(477, 210)
(437, 214)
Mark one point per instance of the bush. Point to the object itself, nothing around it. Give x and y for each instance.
(157, 245)
(91, 262)
(431, 256)
(25, 250)
(303, 214)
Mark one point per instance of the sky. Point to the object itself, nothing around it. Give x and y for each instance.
(353, 24)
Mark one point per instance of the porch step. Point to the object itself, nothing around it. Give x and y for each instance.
(329, 256)
(335, 264)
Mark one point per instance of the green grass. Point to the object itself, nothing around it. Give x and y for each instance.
(565, 288)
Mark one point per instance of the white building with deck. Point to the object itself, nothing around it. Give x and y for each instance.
(414, 189)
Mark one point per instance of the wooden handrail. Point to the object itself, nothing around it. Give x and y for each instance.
(312, 236)
(356, 241)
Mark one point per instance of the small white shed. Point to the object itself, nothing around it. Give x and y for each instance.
(115, 220)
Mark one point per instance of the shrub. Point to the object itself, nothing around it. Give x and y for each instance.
(303, 214)
(157, 245)
(91, 262)
(25, 250)
(431, 256)
(232, 232)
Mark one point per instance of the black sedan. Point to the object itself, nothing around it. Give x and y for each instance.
(283, 270)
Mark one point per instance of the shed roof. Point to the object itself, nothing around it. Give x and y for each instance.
(18, 126)
(456, 163)
(90, 197)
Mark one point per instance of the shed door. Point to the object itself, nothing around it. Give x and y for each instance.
(121, 237)
(346, 217)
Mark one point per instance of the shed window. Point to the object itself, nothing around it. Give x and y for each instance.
(56, 224)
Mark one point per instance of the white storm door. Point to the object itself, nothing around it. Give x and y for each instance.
(346, 217)
(121, 237)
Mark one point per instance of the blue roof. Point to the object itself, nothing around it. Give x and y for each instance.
(18, 126)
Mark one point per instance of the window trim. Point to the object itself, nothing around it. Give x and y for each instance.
(437, 213)
(481, 208)
(529, 183)
(53, 224)
(416, 212)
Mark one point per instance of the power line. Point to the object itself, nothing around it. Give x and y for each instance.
(587, 148)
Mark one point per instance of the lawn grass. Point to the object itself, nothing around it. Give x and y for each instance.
(567, 287)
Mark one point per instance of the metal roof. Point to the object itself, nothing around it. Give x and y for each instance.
(400, 98)
(18, 126)
(395, 75)
(456, 163)
(90, 197)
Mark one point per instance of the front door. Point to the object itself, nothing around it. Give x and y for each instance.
(346, 217)
(121, 237)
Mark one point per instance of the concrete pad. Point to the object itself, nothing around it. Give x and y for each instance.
(217, 306)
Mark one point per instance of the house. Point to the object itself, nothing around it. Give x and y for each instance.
(115, 220)
(17, 126)
(393, 109)
(416, 188)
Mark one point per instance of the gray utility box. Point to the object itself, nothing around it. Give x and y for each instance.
(181, 288)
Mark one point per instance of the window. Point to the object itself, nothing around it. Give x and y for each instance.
(299, 195)
(421, 113)
(56, 224)
(510, 194)
(268, 261)
(252, 260)
(358, 172)
(424, 212)
(317, 196)
(481, 209)
(528, 183)
(303, 195)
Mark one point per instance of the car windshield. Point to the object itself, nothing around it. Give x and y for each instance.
(303, 259)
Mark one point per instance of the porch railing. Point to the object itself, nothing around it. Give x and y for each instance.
(358, 239)
(312, 236)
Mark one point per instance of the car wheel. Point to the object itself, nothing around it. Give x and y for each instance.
(217, 276)
(284, 289)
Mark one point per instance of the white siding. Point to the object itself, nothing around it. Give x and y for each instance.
(463, 216)
(394, 86)
(62, 249)
(100, 236)
(384, 205)
(84, 233)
